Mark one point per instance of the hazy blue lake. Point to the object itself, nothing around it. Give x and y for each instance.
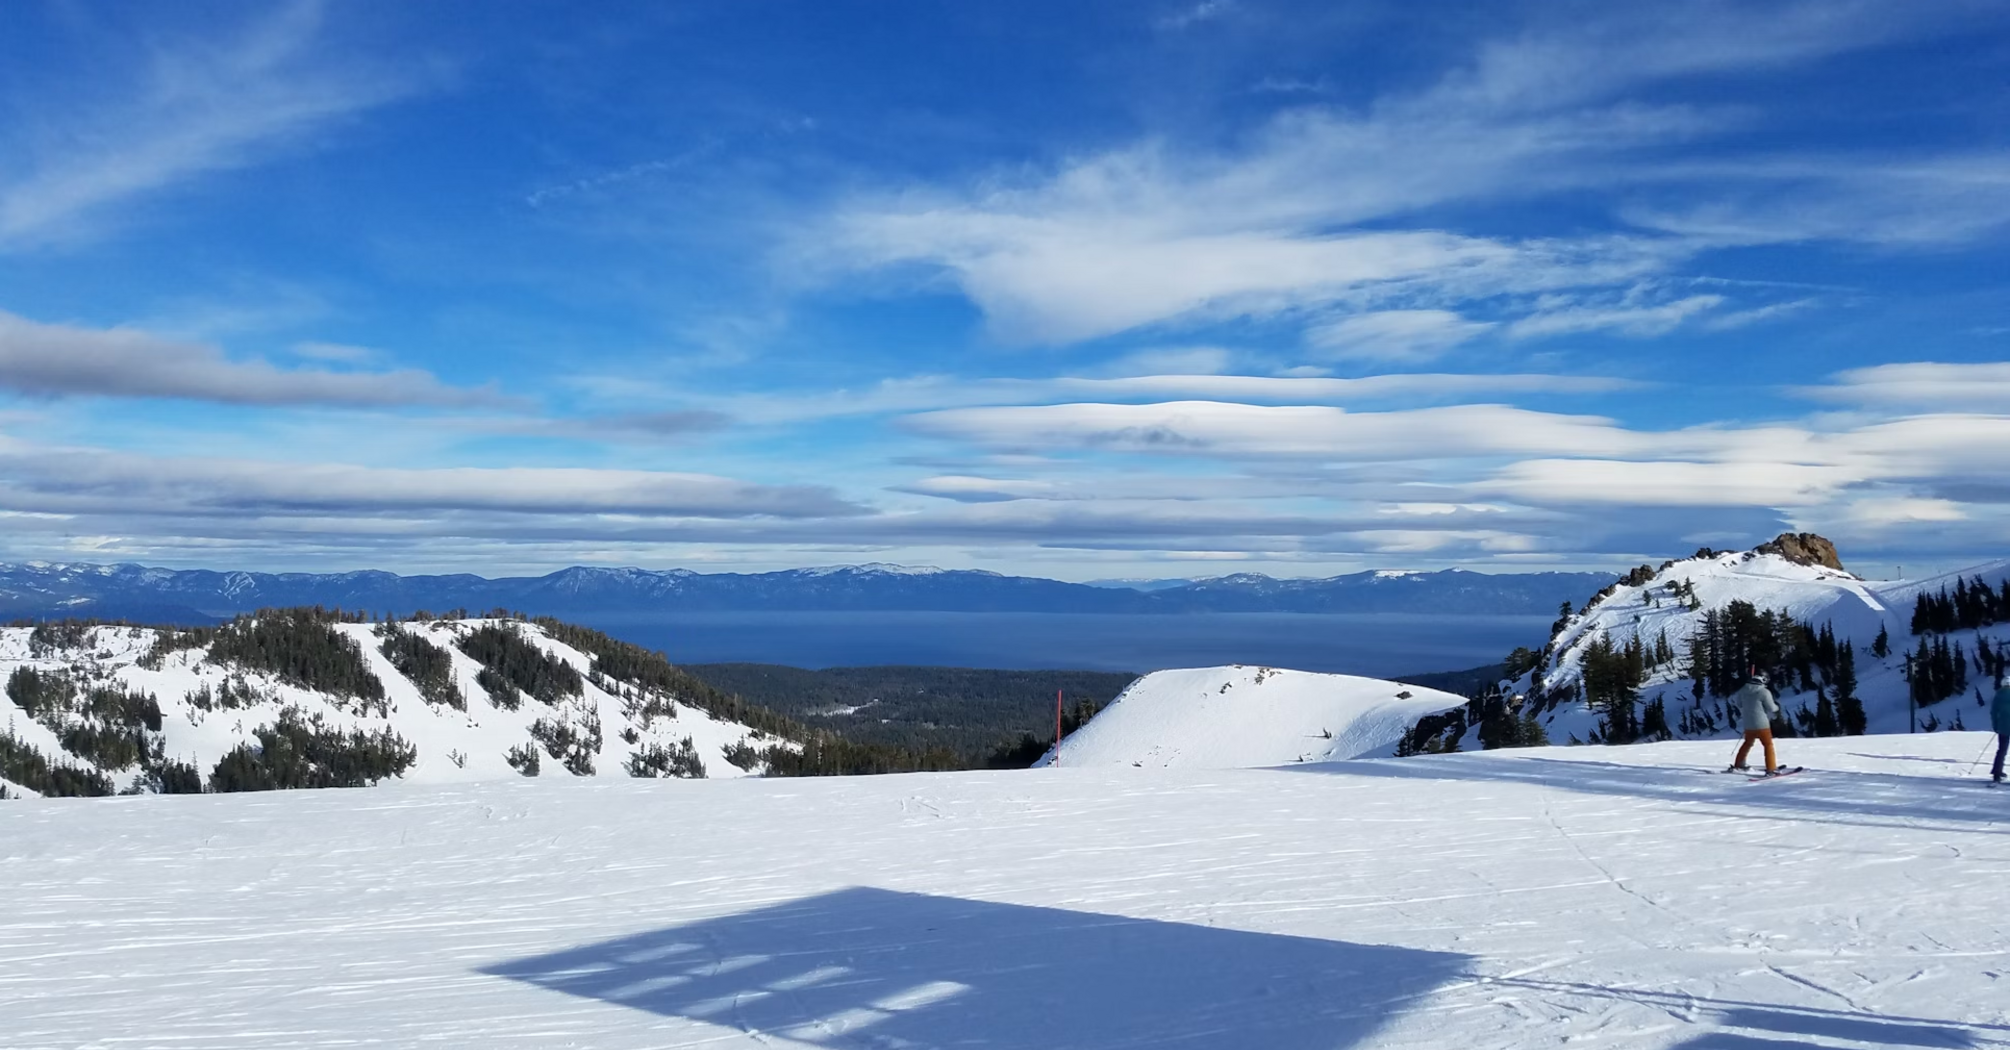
(1356, 643)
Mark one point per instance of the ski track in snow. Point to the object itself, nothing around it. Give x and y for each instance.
(1622, 897)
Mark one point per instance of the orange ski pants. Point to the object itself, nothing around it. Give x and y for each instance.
(1763, 736)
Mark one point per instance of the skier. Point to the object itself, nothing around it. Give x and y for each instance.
(1999, 719)
(1756, 711)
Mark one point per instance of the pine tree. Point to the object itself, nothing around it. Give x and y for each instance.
(1654, 721)
(1825, 715)
(1532, 732)
(1881, 646)
(1702, 654)
(1850, 716)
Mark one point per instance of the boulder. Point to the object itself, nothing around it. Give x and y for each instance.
(1803, 548)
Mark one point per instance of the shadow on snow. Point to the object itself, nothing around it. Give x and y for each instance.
(879, 968)
(1822, 795)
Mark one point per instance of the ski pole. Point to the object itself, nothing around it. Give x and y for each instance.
(1978, 758)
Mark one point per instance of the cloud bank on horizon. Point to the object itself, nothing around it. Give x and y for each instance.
(1127, 289)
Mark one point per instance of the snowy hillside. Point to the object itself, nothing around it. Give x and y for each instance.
(129, 708)
(1664, 612)
(1619, 897)
(1237, 717)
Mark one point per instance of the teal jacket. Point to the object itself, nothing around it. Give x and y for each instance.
(1755, 706)
(1999, 711)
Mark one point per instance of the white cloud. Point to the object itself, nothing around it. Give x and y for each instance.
(340, 353)
(1921, 386)
(966, 489)
(197, 107)
(50, 360)
(1902, 511)
(1626, 318)
(1773, 466)
(1184, 361)
(1211, 428)
(1194, 14)
(100, 481)
(1735, 319)
(924, 393)
(1578, 59)
(1319, 206)
(1460, 483)
(1921, 203)
(1664, 483)
(1141, 237)
(1396, 335)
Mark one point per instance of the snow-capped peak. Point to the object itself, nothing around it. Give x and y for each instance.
(1799, 581)
(873, 568)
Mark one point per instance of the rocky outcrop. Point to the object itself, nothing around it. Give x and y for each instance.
(1803, 548)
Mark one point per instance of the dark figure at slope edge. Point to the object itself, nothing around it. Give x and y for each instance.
(1999, 720)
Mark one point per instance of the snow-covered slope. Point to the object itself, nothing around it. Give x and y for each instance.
(1240, 716)
(1565, 897)
(1670, 604)
(208, 707)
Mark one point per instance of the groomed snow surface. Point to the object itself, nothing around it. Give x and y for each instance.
(1589, 897)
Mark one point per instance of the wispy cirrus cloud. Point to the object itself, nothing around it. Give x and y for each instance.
(1145, 236)
(1922, 202)
(1399, 335)
(1323, 206)
(54, 360)
(1194, 14)
(189, 107)
(1626, 318)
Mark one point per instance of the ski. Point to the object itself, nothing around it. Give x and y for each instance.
(1786, 771)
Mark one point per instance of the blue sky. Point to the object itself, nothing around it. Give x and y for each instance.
(1080, 290)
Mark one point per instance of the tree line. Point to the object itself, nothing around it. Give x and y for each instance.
(1972, 603)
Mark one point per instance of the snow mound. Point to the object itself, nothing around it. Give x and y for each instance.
(1243, 717)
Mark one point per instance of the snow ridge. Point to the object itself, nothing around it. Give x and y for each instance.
(1671, 602)
(606, 723)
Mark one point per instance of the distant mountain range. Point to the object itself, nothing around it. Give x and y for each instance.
(143, 594)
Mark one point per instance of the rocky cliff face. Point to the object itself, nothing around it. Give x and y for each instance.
(1804, 548)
